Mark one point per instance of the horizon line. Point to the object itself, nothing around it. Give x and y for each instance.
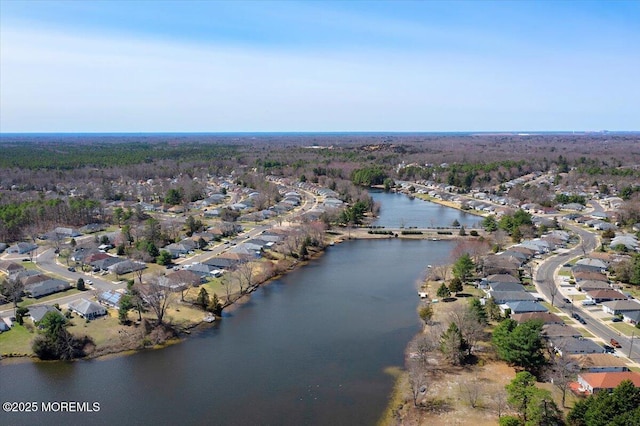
(327, 132)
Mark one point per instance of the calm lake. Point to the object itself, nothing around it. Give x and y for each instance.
(311, 348)
(397, 210)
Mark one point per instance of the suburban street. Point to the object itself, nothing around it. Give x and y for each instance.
(545, 276)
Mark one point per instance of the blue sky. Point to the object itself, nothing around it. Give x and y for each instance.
(126, 66)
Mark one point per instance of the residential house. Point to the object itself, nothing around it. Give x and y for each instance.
(24, 274)
(10, 268)
(545, 317)
(586, 268)
(46, 287)
(524, 250)
(590, 276)
(87, 309)
(271, 237)
(632, 317)
(599, 215)
(599, 363)
(617, 307)
(604, 226)
(37, 312)
(222, 263)
(538, 245)
(595, 382)
(67, 232)
(554, 331)
(501, 297)
(590, 285)
(521, 307)
(605, 295)
(573, 346)
(498, 264)
(212, 213)
(246, 250)
(110, 298)
(502, 278)
(521, 257)
(34, 278)
(106, 263)
(627, 240)
(500, 287)
(204, 270)
(93, 228)
(22, 248)
(180, 280)
(96, 256)
(176, 250)
(126, 266)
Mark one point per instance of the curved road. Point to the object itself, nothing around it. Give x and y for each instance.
(544, 277)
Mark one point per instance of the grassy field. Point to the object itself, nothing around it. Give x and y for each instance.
(16, 341)
(103, 330)
(184, 315)
(584, 332)
(552, 309)
(625, 328)
(29, 265)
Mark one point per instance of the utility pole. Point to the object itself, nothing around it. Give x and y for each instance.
(631, 347)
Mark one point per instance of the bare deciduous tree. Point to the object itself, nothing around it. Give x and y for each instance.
(442, 272)
(227, 282)
(498, 396)
(419, 382)
(157, 297)
(561, 372)
(245, 273)
(553, 289)
(472, 388)
(12, 289)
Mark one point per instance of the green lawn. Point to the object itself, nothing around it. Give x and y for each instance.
(552, 309)
(579, 297)
(102, 330)
(564, 272)
(16, 341)
(29, 265)
(625, 328)
(584, 332)
(215, 286)
(474, 291)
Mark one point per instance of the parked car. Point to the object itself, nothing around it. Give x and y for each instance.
(579, 318)
(615, 343)
(616, 319)
(71, 269)
(608, 349)
(588, 302)
(565, 300)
